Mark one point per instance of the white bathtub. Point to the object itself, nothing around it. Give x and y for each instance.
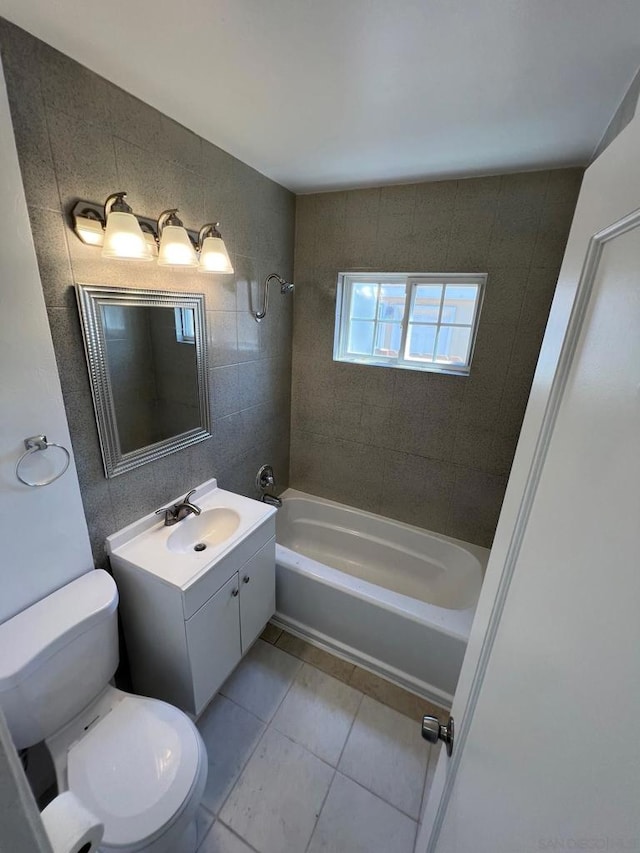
(393, 598)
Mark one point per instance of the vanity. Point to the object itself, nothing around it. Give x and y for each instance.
(195, 595)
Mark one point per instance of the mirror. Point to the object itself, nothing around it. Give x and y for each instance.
(147, 359)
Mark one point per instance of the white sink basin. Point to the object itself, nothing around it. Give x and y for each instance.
(212, 527)
(171, 553)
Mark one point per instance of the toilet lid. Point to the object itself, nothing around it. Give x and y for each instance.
(135, 768)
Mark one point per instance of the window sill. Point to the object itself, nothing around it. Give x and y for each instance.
(418, 368)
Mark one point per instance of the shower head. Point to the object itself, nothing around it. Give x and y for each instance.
(285, 287)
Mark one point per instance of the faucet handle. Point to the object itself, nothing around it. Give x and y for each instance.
(187, 498)
(169, 513)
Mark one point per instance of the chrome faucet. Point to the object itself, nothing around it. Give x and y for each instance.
(266, 480)
(174, 514)
(271, 500)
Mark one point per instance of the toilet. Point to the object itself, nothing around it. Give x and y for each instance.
(138, 764)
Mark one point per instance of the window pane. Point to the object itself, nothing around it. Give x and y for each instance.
(422, 340)
(448, 314)
(391, 305)
(426, 305)
(388, 337)
(460, 303)
(453, 345)
(360, 337)
(363, 301)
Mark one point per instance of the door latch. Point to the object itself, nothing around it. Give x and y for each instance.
(433, 731)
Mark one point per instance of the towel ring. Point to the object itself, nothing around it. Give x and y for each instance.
(34, 444)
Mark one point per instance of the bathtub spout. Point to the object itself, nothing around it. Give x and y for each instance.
(272, 500)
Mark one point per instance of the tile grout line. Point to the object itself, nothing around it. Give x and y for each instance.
(362, 690)
(379, 796)
(424, 797)
(267, 726)
(270, 726)
(361, 784)
(335, 769)
(235, 835)
(216, 815)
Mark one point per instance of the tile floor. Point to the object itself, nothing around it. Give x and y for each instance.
(308, 753)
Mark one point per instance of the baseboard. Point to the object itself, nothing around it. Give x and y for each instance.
(340, 650)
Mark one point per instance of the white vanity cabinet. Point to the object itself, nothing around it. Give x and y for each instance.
(188, 623)
(225, 627)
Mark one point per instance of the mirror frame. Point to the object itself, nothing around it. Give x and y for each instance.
(90, 299)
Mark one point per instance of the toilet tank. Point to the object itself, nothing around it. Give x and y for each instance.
(58, 655)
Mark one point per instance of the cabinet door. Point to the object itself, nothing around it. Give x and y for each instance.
(213, 639)
(257, 593)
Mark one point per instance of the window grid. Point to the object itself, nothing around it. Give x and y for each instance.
(407, 324)
(377, 322)
(439, 324)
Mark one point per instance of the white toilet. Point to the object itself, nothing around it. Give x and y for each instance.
(138, 764)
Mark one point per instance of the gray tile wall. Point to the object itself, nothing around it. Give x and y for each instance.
(428, 449)
(78, 136)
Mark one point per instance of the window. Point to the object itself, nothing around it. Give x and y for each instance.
(423, 321)
(185, 326)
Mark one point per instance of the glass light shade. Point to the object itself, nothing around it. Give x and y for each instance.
(123, 238)
(176, 249)
(214, 256)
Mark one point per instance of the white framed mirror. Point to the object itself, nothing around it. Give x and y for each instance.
(147, 359)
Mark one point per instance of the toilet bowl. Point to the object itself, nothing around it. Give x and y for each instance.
(138, 764)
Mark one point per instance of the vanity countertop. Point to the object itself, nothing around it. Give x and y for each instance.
(175, 553)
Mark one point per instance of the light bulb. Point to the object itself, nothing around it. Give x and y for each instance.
(214, 256)
(176, 248)
(123, 237)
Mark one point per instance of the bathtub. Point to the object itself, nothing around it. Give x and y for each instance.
(392, 598)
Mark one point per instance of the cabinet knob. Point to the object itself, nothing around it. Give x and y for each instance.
(246, 579)
(234, 593)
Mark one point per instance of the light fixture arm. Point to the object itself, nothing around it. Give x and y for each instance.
(116, 203)
(209, 230)
(285, 287)
(168, 217)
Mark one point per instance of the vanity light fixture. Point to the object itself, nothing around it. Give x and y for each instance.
(176, 248)
(123, 234)
(149, 232)
(123, 237)
(214, 257)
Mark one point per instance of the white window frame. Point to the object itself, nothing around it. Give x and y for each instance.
(185, 329)
(411, 280)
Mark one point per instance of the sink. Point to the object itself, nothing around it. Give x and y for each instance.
(198, 532)
(182, 553)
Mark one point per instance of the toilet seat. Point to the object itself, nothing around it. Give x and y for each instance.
(135, 769)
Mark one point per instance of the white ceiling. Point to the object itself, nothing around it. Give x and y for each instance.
(320, 94)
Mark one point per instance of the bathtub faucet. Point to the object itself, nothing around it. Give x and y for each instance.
(265, 480)
(272, 500)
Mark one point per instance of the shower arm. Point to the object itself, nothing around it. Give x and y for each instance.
(285, 287)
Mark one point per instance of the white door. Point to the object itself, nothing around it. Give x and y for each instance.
(547, 755)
